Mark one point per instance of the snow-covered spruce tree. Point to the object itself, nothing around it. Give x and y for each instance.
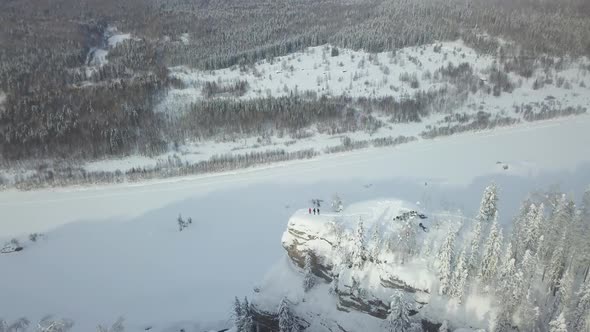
(238, 314)
(508, 284)
(460, 276)
(557, 228)
(19, 325)
(488, 206)
(503, 321)
(48, 324)
(360, 252)
(247, 322)
(116, 327)
(444, 261)
(398, 319)
(527, 269)
(557, 264)
(508, 256)
(375, 244)
(491, 253)
(532, 230)
(337, 205)
(565, 293)
(582, 233)
(581, 315)
(510, 280)
(529, 313)
(474, 255)
(308, 276)
(519, 226)
(286, 319)
(558, 324)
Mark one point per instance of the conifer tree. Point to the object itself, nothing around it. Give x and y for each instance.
(445, 259)
(286, 319)
(460, 276)
(492, 249)
(398, 319)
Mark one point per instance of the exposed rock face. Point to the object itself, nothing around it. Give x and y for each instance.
(269, 322)
(373, 307)
(319, 266)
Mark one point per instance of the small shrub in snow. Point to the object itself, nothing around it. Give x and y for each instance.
(335, 52)
(182, 224)
(48, 324)
(20, 325)
(116, 327)
(12, 246)
(337, 205)
(559, 81)
(334, 285)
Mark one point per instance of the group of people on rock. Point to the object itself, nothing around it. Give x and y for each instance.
(314, 210)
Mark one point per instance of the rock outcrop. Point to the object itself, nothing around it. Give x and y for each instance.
(363, 287)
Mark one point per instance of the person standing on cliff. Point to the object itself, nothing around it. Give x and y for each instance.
(309, 210)
(314, 211)
(318, 211)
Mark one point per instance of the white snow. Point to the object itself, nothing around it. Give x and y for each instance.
(114, 37)
(362, 74)
(115, 250)
(98, 57)
(185, 38)
(2, 98)
(355, 73)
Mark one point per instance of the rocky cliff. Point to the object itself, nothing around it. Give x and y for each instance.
(357, 262)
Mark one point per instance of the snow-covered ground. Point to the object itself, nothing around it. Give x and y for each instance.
(97, 56)
(116, 250)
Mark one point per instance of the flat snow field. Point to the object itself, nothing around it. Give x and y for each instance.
(116, 250)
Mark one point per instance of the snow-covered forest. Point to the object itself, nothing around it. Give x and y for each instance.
(402, 270)
(84, 82)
